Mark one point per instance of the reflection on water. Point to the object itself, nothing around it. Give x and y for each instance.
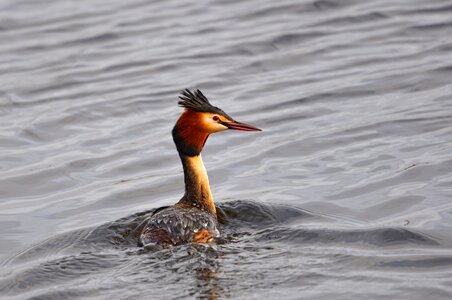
(262, 247)
(345, 194)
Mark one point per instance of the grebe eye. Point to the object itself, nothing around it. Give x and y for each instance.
(216, 118)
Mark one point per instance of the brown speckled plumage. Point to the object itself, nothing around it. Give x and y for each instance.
(178, 225)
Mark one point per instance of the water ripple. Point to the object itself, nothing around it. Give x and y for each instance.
(349, 183)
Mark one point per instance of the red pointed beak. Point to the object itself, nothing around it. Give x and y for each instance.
(240, 126)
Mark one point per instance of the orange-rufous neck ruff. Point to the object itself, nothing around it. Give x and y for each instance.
(191, 130)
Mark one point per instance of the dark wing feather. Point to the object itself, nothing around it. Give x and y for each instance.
(177, 226)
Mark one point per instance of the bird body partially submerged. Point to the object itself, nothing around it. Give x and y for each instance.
(193, 219)
(178, 225)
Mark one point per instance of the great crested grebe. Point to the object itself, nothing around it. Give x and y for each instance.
(193, 219)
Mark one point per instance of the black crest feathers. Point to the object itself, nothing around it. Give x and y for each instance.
(197, 101)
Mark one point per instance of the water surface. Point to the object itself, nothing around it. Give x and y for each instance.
(345, 194)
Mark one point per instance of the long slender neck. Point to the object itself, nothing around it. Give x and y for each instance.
(197, 188)
(190, 136)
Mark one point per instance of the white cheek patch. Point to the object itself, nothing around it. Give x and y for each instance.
(213, 125)
(217, 126)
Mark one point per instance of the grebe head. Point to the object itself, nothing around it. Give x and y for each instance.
(199, 120)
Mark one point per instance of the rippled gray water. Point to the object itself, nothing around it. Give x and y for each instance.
(346, 194)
